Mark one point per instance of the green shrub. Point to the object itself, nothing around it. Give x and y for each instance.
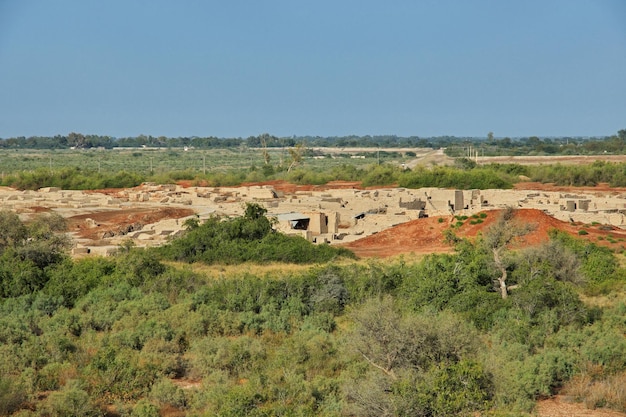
(166, 393)
(380, 175)
(71, 401)
(246, 239)
(445, 177)
(145, 408)
(236, 357)
(12, 395)
(598, 264)
(73, 178)
(459, 388)
(329, 293)
(119, 373)
(74, 279)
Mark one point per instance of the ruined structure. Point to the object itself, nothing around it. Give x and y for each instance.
(331, 215)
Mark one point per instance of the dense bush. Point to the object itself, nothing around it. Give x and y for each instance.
(443, 177)
(422, 364)
(580, 175)
(599, 268)
(245, 239)
(72, 179)
(381, 175)
(27, 252)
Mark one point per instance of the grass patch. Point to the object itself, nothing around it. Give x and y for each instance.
(274, 269)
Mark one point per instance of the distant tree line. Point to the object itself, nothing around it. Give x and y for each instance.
(456, 146)
(533, 145)
(82, 141)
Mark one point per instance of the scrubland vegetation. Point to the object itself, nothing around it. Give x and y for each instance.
(192, 329)
(147, 332)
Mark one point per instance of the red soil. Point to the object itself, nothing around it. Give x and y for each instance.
(424, 236)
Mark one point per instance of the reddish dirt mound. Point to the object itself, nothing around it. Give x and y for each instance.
(95, 225)
(539, 222)
(419, 236)
(424, 236)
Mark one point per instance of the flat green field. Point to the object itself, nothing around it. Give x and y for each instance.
(155, 161)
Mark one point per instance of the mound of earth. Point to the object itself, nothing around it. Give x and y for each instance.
(425, 236)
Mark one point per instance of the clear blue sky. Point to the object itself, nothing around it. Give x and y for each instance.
(236, 68)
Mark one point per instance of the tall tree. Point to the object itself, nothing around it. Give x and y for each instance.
(296, 154)
(497, 241)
